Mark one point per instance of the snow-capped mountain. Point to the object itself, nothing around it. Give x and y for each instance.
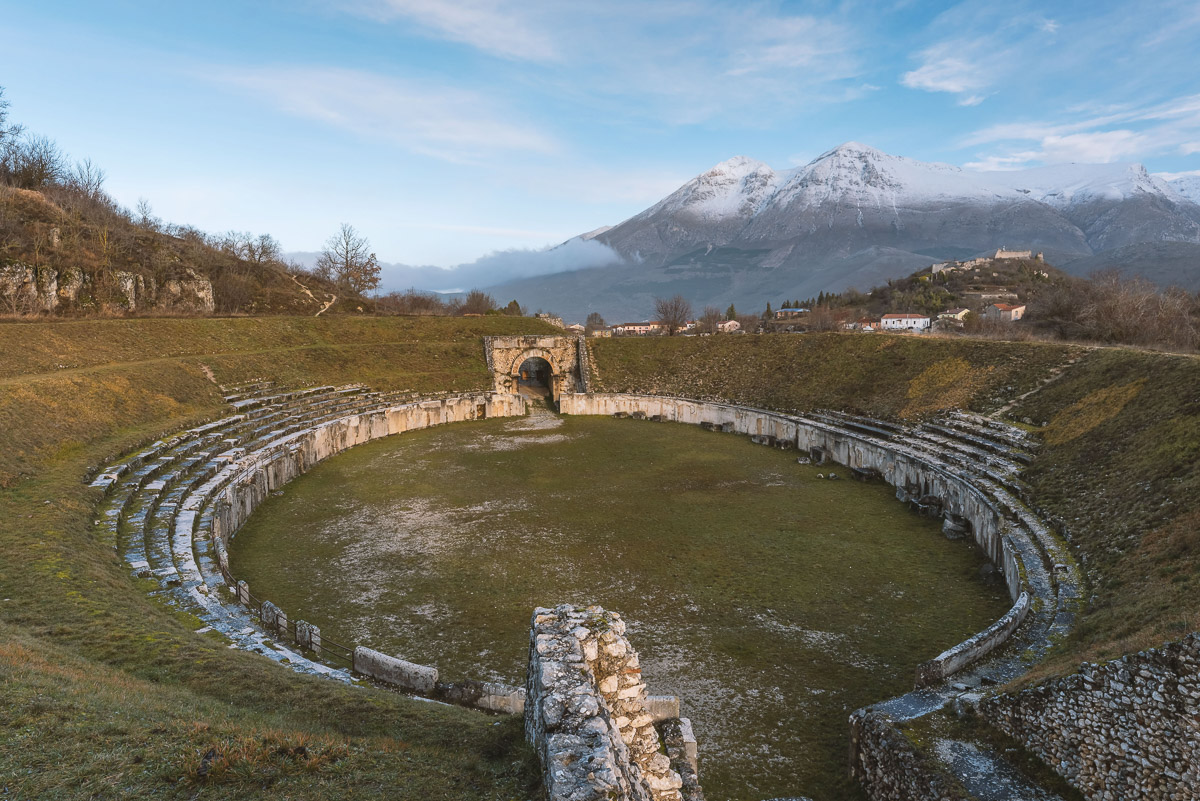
(1188, 186)
(743, 232)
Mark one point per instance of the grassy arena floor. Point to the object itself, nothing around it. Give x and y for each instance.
(772, 602)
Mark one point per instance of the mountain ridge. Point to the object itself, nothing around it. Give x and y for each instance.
(855, 216)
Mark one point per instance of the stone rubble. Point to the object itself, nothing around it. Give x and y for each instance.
(586, 713)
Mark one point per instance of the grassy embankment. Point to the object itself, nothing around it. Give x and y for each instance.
(105, 693)
(1118, 470)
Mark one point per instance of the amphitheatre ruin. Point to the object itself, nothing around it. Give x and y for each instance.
(986, 552)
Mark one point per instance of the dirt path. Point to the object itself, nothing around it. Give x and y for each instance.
(326, 304)
(1055, 374)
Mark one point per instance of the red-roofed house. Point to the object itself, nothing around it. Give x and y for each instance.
(1005, 312)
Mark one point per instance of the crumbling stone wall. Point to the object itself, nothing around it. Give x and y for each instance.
(586, 712)
(890, 768)
(1129, 728)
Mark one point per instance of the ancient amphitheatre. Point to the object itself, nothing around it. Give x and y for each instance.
(1072, 468)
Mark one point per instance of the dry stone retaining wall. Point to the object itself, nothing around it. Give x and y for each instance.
(890, 768)
(1125, 729)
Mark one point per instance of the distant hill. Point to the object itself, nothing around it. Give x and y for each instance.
(855, 217)
(67, 248)
(66, 253)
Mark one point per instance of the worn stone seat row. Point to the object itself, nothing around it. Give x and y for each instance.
(956, 476)
(963, 467)
(172, 507)
(145, 517)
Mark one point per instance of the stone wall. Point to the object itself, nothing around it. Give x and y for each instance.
(586, 711)
(250, 478)
(505, 354)
(890, 768)
(1125, 729)
(915, 476)
(950, 661)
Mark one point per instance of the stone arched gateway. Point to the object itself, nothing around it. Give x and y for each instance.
(565, 355)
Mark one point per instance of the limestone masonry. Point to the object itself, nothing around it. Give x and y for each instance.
(586, 711)
(1129, 728)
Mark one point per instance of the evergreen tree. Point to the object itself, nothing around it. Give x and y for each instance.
(731, 313)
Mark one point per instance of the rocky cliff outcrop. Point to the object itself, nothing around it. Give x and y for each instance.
(26, 289)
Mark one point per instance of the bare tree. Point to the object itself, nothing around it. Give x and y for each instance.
(749, 323)
(823, 318)
(87, 179)
(32, 162)
(412, 301)
(477, 302)
(594, 322)
(672, 313)
(347, 261)
(143, 216)
(257, 251)
(8, 133)
(710, 319)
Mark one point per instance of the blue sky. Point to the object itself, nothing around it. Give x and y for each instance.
(447, 130)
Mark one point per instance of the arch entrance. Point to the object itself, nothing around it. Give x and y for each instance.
(537, 365)
(534, 377)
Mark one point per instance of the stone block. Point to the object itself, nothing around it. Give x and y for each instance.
(308, 636)
(662, 707)
(395, 671)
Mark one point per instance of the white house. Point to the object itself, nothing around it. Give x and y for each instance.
(904, 322)
(637, 329)
(729, 326)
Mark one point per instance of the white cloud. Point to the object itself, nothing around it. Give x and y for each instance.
(682, 61)
(945, 73)
(971, 100)
(1015, 161)
(1174, 176)
(502, 266)
(1119, 133)
(506, 29)
(1097, 147)
(446, 122)
(773, 43)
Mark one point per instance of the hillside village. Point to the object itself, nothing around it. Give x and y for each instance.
(945, 297)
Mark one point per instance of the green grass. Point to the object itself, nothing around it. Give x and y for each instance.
(749, 589)
(81, 646)
(874, 374)
(1119, 471)
(105, 692)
